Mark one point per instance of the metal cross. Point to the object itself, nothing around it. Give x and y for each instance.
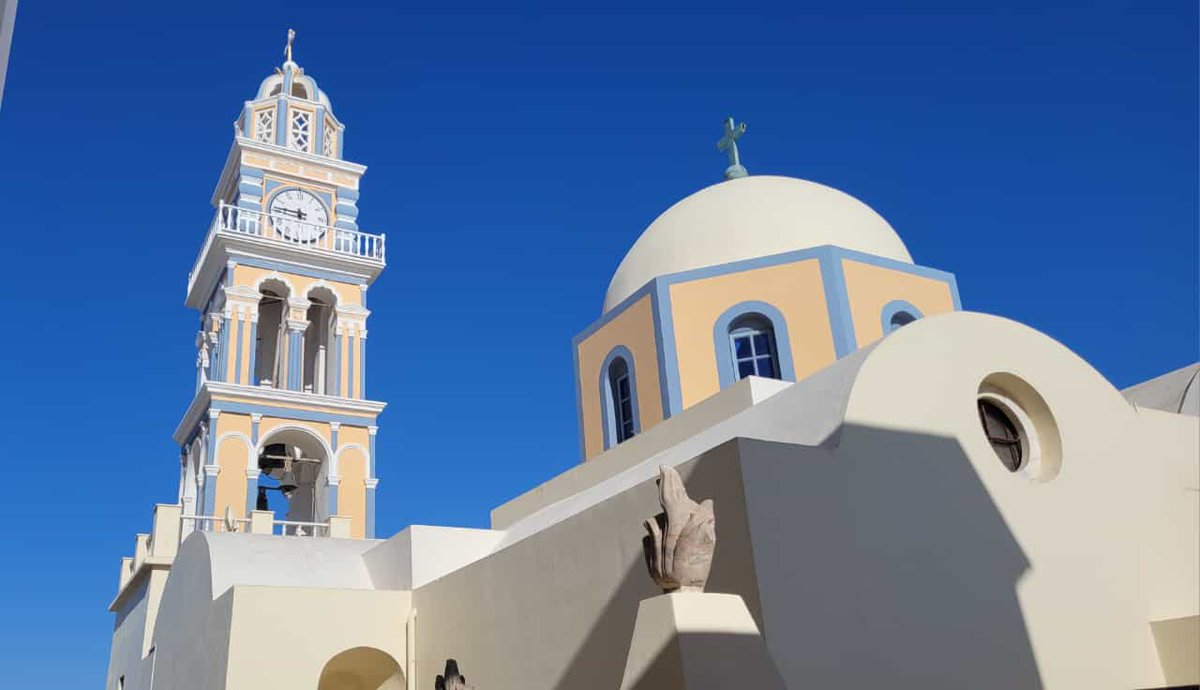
(288, 50)
(728, 143)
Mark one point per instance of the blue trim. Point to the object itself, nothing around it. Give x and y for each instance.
(281, 121)
(726, 370)
(333, 439)
(252, 378)
(608, 413)
(346, 211)
(253, 432)
(341, 137)
(250, 204)
(347, 193)
(345, 224)
(318, 128)
(295, 373)
(237, 362)
(362, 366)
(291, 413)
(223, 346)
(579, 402)
(370, 526)
(337, 365)
(837, 303)
(664, 340)
(247, 171)
(248, 188)
(251, 495)
(268, 264)
(210, 482)
(331, 496)
(894, 307)
(371, 460)
(349, 366)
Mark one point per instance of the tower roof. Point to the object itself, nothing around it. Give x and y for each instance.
(290, 77)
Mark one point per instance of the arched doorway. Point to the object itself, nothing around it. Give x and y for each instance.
(362, 668)
(294, 462)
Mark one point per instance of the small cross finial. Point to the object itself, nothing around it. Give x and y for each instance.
(728, 143)
(287, 52)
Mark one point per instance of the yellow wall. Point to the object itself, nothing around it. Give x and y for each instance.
(633, 328)
(347, 293)
(869, 288)
(352, 492)
(232, 455)
(794, 289)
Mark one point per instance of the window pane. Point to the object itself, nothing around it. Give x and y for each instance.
(766, 367)
(623, 387)
(745, 368)
(626, 410)
(741, 347)
(762, 343)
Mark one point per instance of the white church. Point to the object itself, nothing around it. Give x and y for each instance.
(905, 494)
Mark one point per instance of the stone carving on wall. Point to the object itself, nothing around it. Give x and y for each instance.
(681, 539)
(451, 679)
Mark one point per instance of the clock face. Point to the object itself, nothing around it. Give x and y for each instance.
(298, 215)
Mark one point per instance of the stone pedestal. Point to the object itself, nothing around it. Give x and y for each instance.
(698, 641)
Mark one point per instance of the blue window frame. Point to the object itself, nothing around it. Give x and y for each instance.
(620, 387)
(752, 344)
(898, 313)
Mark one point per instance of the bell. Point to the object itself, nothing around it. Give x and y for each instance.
(287, 482)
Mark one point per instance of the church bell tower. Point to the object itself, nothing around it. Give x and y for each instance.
(280, 415)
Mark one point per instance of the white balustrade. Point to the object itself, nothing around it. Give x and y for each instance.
(294, 231)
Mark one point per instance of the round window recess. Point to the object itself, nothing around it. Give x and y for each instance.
(1018, 426)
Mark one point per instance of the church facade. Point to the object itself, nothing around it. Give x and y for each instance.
(905, 493)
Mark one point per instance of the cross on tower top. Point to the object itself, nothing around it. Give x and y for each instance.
(728, 143)
(287, 52)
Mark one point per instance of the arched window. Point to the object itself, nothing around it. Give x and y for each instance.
(318, 341)
(621, 389)
(618, 396)
(898, 313)
(272, 321)
(751, 339)
(753, 348)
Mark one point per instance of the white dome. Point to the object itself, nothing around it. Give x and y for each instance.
(751, 217)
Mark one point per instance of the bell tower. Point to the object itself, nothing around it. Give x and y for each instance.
(280, 413)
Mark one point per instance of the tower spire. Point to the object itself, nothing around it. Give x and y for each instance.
(728, 143)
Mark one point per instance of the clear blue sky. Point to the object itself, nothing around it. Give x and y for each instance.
(1046, 155)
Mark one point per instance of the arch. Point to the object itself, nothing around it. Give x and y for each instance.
(319, 338)
(300, 89)
(362, 668)
(310, 502)
(278, 277)
(609, 404)
(251, 454)
(322, 284)
(898, 313)
(287, 430)
(744, 312)
(345, 447)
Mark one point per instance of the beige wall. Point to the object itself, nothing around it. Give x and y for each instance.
(633, 328)
(556, 610)
(282, 637)
(352, 493)
(794, 289)
(869, 288)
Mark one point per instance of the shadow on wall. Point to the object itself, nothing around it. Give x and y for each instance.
(879, 562)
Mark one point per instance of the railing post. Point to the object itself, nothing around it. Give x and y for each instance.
(339, 526)
(262, 521)
(165, 533)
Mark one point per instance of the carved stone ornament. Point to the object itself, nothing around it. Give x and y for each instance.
(681, 539)
(451, 679)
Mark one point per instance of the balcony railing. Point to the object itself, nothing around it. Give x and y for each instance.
(298, 232)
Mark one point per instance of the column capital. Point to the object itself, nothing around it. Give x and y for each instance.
(212, 470)
(253, 473)
(256, 417)
(213, 413)
(372, 430)
(297, 325)
(333, 480)
(334, 426)
(371, 482)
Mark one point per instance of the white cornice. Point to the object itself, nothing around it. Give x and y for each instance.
(267, 396)
(244, 144)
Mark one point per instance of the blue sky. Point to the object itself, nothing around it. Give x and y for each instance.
(1046, 155)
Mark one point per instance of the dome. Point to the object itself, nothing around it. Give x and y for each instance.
(751, 217)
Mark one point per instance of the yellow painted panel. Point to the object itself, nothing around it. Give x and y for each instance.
(344, 364)
(232, 455)
(869, 288)
(233, 422)
(346, 293)
(352, 492)
(354, 434)
(269, 424)
(795, 289)
(633, 328)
